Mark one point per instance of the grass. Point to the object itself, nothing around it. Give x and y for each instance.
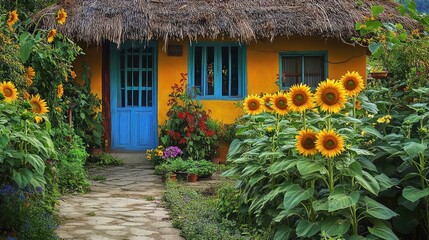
(98, 178)
(196, 214)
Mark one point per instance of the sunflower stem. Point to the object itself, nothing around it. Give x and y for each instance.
(304, 120)
(331, 175)
(329, 122)
(354, 112)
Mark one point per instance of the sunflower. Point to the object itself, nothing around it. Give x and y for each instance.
(12, 19)
(253, 105)
(60, 90)
(38, 105)
(306, 142)
(30, 75)
(59, 109)
(51, 35)
(38, 119)
(300, 98)
(279, 103)
(61, 16)
(9, 91)
(26, 94)
(267, 99)
(330, 96)
(73, 74)
(329, 143)
(352, 83)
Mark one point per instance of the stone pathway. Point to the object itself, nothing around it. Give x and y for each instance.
(126, 205)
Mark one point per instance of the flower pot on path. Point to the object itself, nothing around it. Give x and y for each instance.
(222, 151)
(192, 177)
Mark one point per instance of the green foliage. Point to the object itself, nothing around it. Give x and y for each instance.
(187, 125)
(197, 215)
(106, 159)
(71, 171)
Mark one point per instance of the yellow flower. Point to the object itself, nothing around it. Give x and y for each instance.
(329, 143)
(12, 19)
(385, 119)
(267, 100)
(61, 16)
(370, 115)
(73, 74)
(51, 35)
(59, 109)
(253, 105)
(38, 105)
(26, 94)
(30, 75)
(60, 91)
(9, 91)
(279, 103)
(38, 119)
(330, 96)
(352, 83)
(300, 98)
(149, 157)
(306, 142)
(381, 120)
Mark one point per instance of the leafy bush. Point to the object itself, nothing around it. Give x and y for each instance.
(71, 171)
(24, 212)
(106, 159)
(197, 215)
(187, 124)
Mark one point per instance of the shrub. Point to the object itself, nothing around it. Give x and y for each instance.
(71, 171)
(197, 215)
(187, 123)
(106, 159)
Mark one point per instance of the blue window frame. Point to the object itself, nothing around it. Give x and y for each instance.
(303, 67)
(217, 70)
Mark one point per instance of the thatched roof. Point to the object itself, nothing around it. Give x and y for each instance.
(93, 21)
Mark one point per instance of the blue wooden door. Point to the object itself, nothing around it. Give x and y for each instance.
(133, 96)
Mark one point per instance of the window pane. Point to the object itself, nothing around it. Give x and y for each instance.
(210, 71)
(225, 71)
(136, 79)
(149, 98)
(149, 64)
(144, 79)
(129, 97)
(136, 98)
(149, 78)
(197, 68)
(234, 72)
(144, 103)
(313, 70)
(291, 71)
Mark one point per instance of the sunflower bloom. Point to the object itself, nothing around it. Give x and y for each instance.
(352, 83)
(267, 100)
(253, 105)
(329, 143)
(26, 95)
(330, 96)
(61, 16)
(30, 75)
(12, 19)
(279, 103)
(300, 98)
(73, 74)
(306, 142)
(60, 91)
(51, 35)
(38, 119)
(38, 105)
(9, 91)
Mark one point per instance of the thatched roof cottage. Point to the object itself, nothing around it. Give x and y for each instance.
(230, 48)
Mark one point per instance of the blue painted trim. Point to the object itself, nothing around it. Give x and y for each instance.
(302, 54)
(242, 61)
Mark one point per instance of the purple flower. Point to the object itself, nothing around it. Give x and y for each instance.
(8, 189)
(172, 152)
(39, 189)
(10, 238)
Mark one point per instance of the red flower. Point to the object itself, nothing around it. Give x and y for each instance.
(182, 141)
(181, 115)
(210, 133)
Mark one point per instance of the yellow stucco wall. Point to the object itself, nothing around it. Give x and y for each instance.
(262, 69)
(92, 58)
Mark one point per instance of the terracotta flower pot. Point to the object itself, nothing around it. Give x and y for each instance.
(223, 151)
(192, 177)
(379, 75)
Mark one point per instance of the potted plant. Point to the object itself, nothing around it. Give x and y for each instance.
(226, 133)
(205, 168)
(378, 72)
(193, 174)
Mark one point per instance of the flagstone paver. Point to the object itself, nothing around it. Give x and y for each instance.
(126, 205)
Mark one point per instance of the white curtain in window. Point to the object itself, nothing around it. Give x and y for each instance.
(313, 70)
